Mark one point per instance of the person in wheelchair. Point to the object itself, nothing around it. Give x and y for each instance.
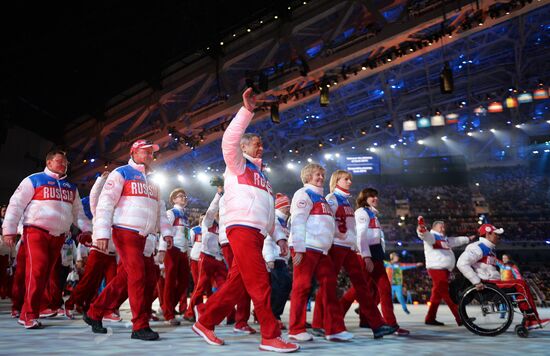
(478, 264)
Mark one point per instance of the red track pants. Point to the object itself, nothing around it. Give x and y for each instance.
(243, 308)
(351, 262)
(42, 250)
(176, 280)
(248, 274)
(320, 265)
(133, 277)
(440, 290)
(98, 266)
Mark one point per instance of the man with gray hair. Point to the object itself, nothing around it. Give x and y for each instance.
(440, 261)
(249, 215)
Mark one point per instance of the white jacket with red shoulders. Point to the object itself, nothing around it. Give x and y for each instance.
(129, 200)
(437, 249)
(344, 234)
(47, 201)
(312, 223)
(248, 194)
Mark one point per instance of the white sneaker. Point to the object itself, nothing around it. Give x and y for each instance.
(341, 336)
(305, 336)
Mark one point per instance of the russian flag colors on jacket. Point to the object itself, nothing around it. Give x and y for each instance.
(438, 249)
(312, 226)
(47, 201)
(130, 201)
(248, 194)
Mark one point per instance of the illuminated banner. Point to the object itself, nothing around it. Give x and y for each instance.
(367, 164)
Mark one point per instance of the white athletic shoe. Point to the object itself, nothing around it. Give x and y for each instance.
(341, 336)
(305, 336)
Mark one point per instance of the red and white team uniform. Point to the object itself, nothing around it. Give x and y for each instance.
(249, 216)
(99, 264)
(48, 204)
(312, 233)
(343, 254)
(242, 313)
(128, 210)
(211, 265)
(176, 262)
(478, 264)
(440, 261)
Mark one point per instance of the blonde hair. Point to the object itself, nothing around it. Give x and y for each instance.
(336, 176)
(307, 171)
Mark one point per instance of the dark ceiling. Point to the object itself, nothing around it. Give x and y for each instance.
(59, 62)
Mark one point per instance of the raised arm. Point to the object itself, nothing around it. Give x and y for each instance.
(231, 141)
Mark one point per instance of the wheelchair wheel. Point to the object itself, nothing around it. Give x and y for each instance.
(522, 331)
(488, 312)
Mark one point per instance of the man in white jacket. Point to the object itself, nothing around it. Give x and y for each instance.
(128, 210)
(440, 261)
(48, 204)
(478, 264)
(249, 217)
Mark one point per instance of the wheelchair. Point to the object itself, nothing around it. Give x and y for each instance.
(490, 312)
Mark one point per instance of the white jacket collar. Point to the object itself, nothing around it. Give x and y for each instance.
(139, 167)
(256, 161)
(54, 175)
(341, 192)
(316, 189)
(373, 209)
(487, 243)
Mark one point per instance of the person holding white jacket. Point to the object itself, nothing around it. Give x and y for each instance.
(311, 237)
(344, 255)
(128, 210)
(249, 216)
(48, 204)
(478, 264)
(440, 261)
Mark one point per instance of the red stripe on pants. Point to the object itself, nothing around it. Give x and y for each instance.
(248, 274)
(351, 262)
(519, 286)
(243, 307)
(43, 250)
(130, 247)
(440, 290)
(18, 286)
(176, 280)
(320, 265)
(98, 266)
(210, 269)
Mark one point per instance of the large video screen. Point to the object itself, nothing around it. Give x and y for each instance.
(365, 164)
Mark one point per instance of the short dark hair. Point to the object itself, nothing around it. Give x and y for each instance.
(55, 151)
(361, 201)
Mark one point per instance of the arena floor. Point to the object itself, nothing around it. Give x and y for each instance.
(61, 336)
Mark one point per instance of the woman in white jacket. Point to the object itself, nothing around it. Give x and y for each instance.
(370, 240)
(311, 237)
(343, 254)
